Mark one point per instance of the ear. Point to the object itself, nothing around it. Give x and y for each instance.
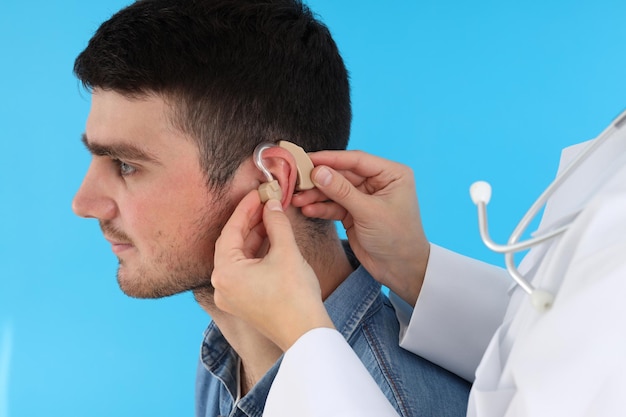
(281, 163)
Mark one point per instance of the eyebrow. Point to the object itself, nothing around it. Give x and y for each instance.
(123, 151)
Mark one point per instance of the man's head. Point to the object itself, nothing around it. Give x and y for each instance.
(183, 91)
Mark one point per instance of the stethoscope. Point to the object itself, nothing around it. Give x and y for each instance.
(481, 194)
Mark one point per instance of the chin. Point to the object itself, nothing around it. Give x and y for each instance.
(151, 286)
(132, 289)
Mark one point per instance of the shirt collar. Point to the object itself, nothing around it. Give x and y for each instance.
(347, 307)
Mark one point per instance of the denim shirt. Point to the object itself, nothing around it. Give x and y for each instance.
(366, 318)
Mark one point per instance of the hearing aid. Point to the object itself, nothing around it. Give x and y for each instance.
(304, 165)
(271, 189)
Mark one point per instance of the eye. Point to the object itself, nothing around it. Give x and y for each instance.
(124, 168)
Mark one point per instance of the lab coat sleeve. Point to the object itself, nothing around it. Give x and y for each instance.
(321, 376)
(461, 304)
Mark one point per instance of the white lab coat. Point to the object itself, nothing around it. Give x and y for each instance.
(569, 361)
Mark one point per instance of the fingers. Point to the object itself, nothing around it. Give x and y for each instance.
(338, 189)
(311, 196)
(233, 241)
(325, 210)
(366, 172)
(314, 203)
(358, 162)
(335, 194)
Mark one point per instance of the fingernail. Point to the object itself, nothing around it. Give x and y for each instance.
(323, 176)
(274, 205)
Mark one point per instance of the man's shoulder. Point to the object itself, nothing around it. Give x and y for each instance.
(353, 300)
(411, 383)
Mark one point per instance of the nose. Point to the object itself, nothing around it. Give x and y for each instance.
(93, 199)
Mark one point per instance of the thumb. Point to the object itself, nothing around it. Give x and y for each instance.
(237, 236)
(337, 188)
(278, 228)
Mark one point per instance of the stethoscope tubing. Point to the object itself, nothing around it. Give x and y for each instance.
(481, 194)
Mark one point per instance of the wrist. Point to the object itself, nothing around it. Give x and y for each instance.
(407, 278)
(298, 326)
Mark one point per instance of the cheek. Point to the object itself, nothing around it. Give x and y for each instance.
(180, 215)
(162, 217)
(192, 226)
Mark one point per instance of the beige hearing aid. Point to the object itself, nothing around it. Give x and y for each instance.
(303, 164)
(271, 189)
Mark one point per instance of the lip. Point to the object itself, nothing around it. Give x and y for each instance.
(118, 247)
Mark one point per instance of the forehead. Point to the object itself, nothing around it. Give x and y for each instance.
(144, 122)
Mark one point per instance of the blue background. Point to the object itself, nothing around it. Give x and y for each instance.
(458, 90)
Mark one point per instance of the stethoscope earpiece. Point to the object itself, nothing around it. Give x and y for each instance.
(480, 192)
(541, 300)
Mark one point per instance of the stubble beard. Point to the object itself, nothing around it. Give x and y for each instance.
(179, 267)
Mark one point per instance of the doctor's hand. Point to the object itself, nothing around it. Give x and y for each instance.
(376, 201)
(278, 293)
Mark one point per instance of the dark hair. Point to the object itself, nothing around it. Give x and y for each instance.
(236, 72)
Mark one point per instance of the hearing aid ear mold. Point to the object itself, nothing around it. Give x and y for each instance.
(271, 189)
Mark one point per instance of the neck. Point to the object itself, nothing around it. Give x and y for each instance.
(330, 263)
(258, 354)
